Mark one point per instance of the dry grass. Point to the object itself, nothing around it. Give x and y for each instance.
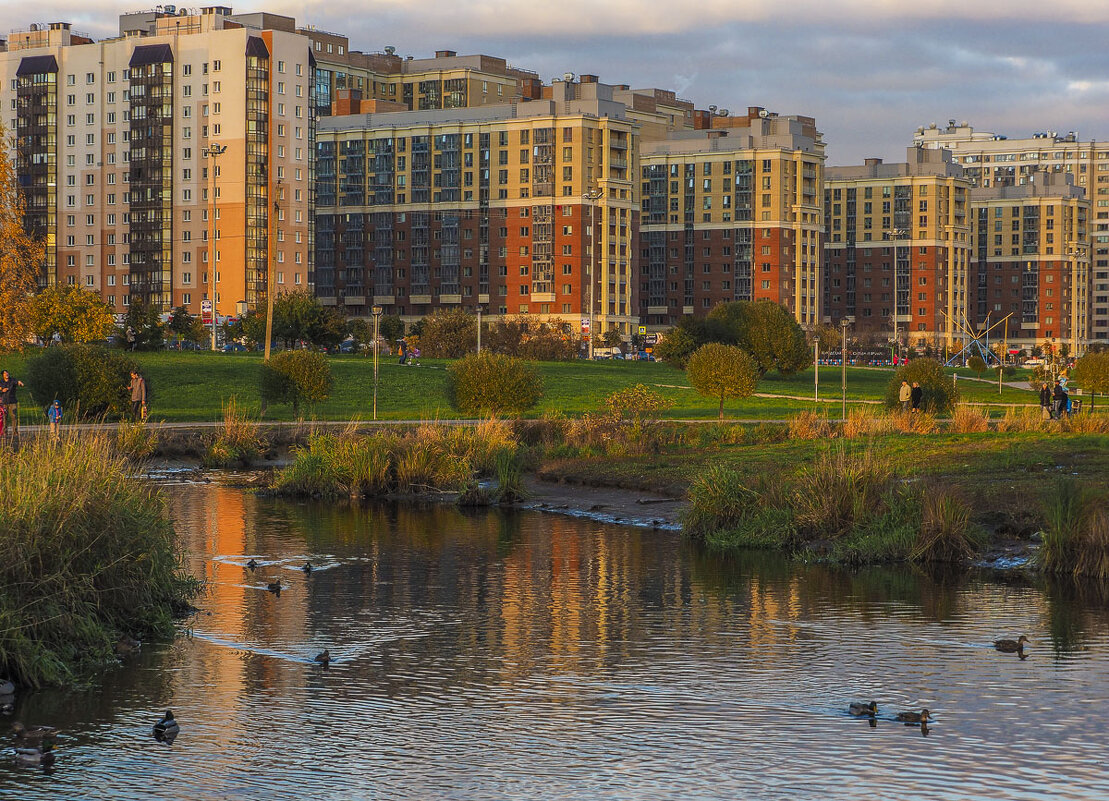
(1086, 423)
(945, 532)
(237, 443)
(866, 423)
(810, 425)
(914, 422)
(968, 419)
(1020, 420)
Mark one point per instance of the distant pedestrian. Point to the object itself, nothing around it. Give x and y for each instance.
(9, 400)
(131, 338)
(1059, 397)
(403, 352)
(138, 396)
(905, 395)
(54, 417)
(917, 394)
(1045, 401)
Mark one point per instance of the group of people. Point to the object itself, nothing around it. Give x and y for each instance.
(910, 397)
(9, 404)
(1055, 403)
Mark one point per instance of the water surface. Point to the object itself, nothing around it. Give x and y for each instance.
(494, 655)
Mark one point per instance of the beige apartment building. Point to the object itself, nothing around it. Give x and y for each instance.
(732, 211)
(502, 207)
(898, 248)
(116, 144)
(991, 160)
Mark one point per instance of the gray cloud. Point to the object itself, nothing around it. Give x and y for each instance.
(870, 71)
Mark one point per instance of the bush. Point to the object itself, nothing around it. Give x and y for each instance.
(448, 334)
(296, 377)
(88, 554)
(90, 380)
(488, 383)
(940, 392)
(722, 371)
(977, 365)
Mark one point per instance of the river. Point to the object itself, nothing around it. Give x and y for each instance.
(501, 655)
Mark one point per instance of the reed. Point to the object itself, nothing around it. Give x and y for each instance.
(841, 489)
(969, 420)
(809, 425)
(87, 554)
(1076, 531)
(237, 443)
(136, 442)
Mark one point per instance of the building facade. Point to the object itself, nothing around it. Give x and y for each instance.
(111, 140)
(898, 248)
(732, 212)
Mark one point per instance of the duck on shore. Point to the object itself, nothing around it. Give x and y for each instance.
(1011, 646)
(860, 709)
(922, 717)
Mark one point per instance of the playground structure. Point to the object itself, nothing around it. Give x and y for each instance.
(976, 342)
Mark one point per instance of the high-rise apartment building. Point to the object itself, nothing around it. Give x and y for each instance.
(991, 160)
(499, 206)
(732, 212)
(116, 144)
(898, 248)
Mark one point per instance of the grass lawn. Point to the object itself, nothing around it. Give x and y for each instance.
(190, 387)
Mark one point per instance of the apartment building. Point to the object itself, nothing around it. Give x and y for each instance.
(115, 144)
(732, 211)
(898, 248)
(1032, 260)
(991, 160)
(491, 206)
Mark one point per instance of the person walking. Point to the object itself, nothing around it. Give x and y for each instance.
(905, 395)
(1045, 401)
(138, 396)
(1059, 396)
(8, 399)
(916, 395)
(54, 417)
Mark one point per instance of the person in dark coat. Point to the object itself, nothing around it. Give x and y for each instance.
(1045, 400)
(916, 396)
(1060, 398)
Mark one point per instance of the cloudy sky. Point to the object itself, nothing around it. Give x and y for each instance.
(870, 71)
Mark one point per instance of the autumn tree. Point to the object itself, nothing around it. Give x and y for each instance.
(977, 365)
(72, 313)
(768, 332)
(1091, 372)
(21, 259)
(722, 371)
(448, 334)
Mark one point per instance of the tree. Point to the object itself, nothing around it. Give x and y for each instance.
(146, 323)
(490, 383)
(829, 337)
(722, 371)
(186, 327)
(448, 334)
(976, 365)
(768, 332)
(676, 346)
(71, 312)
(391, 328)
(612, 338)
(297, 377)
(1091, 372)
(89, 380)
(21, 259)
(940, 393)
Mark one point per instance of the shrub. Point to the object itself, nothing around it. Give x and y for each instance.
(969, 420)
(448, 334)
(810, 425)
(722, 371)
(88, 554)
(840, 490)
(135, 441)
(489, 383)
(72, 313)
(946, 533)
(237, 442)
(296, 377)
(940, 392)
(977, 365)
(89, 380)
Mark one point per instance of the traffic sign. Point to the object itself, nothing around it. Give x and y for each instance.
(642, 330)
(206, 306)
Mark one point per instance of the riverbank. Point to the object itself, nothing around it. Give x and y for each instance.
(87, 556)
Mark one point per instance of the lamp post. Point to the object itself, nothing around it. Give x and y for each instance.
(271, 275)
(896, 234)
(816, 368)
(212, 152)
(376, 312)
(1081, 299)
(845, 322)
(592, 197)
(479, 329)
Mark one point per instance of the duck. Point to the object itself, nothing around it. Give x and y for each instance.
(127, 646)
(307, 567)
(36, 755)
(252, 564)
(33, 734)
(859, 708)
(167, 726)
(274, 586)
(323, 657)
(922, 716)
(1011, 646)
(7, 688)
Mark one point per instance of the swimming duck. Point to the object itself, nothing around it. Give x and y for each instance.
(1011, 646)
(36, 756)
(323, 657)
(274, 586)
(307, 567)
(167, 726)
(859, 708)
(33, 734)
(914, 717)
(7, 688)
(127, 646)
(252, 564)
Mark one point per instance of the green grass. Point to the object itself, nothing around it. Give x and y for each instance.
(191, 387)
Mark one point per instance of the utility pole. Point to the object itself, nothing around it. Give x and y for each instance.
(376, 312)
(844, 323)
(479, 329)
(271, 276)
(592, 196)
(212, 152)
(816, 368)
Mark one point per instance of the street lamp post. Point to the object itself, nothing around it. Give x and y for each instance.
(845, 322)
(816, 368)
(896, 234)
(479, 329)
(212, 152)
(592, 197)
(271, 268)
(376, 312)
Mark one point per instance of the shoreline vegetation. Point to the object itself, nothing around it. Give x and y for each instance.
(88, 557)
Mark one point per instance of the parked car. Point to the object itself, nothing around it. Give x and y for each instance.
(234, 347)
